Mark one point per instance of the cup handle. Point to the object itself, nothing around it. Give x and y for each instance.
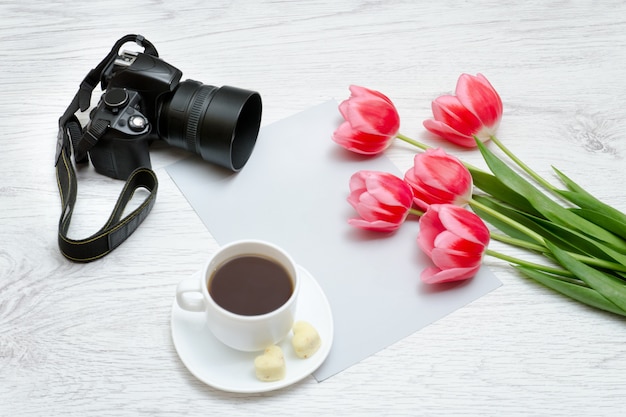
(189, 294)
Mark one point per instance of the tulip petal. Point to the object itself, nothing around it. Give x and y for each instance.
(360, 142)
(373, 117)
(448, 133)
(448, 259)
(421, 204)
(439, 178)
(441, 169)
(457, 247)
(430, 227)
(377, 225)
(381, 199)
(370, 209)
(455, 239)
(479, 97)
(450, 111)
(474, 110)
(359, 91)
(464, 224)
(371, 112)
(357, 181)
(430, 195)
(434, 275)
(389, 189)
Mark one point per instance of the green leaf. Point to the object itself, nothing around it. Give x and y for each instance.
(602, 219)
(491, 185)
(579, 293)
(574, 241)
(543, 204)
(609, 286)
(567, 239)
(587, 200)
(591, 208)
(498, 223)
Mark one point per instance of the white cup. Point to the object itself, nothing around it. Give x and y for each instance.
(242, 332)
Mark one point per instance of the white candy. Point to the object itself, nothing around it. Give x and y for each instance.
(306, 340)
(270, 366)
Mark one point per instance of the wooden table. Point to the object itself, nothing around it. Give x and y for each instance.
(94, 339)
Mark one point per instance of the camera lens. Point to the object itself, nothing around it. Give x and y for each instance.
(219, 124)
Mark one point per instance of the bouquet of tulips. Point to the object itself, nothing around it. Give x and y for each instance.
(581, 239)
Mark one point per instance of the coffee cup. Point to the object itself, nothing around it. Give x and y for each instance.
(247, 291)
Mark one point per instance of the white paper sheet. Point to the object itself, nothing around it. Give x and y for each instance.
(293, 192)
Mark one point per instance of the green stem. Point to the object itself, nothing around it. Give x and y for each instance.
(557, 271)
(528, 232)
(600, 263)
(522, 165)
(424, 147)
(517, 242)
(413, 141)
(416, 212)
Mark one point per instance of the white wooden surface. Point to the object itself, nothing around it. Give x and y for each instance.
(94, 339)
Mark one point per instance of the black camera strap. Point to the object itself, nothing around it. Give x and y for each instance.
(71, 139)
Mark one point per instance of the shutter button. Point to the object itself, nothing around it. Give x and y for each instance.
(137, 123)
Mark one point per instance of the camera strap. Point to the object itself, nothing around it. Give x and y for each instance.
(72, 139)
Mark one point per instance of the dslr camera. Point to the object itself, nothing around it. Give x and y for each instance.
(144, 100)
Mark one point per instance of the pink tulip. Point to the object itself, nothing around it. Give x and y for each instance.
(455, 239)
(439, 178)
(475, 110)
(371, 122)
(381, 199)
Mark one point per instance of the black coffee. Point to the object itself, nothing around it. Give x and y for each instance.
(250, 285)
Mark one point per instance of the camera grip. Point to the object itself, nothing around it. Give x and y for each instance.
(189, 294)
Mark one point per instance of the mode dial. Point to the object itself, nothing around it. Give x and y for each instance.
(115, 98)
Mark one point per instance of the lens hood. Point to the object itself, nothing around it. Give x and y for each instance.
(219, 124)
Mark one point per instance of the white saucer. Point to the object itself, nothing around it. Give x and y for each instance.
(227, 369)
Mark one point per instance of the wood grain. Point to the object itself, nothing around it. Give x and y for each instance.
(93, 339)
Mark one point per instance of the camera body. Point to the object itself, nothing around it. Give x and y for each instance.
(144, 100)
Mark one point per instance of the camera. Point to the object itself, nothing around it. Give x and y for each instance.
(143, 100)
